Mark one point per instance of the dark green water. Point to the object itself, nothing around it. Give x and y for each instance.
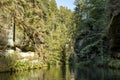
(64, 73)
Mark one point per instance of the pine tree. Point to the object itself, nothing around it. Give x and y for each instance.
(91, 21)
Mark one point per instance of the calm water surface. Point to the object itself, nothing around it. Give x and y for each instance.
(64, 73)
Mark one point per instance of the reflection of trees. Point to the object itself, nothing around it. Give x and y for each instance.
(43, 76)
(63, 58)
(87, 74)
(54, 73)
(93, 73)
(63, 68)
(71, 68)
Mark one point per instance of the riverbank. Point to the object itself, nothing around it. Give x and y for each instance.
(19, 61)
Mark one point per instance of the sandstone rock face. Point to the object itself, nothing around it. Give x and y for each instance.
(114, 32)
(9, 58)
(6, 29)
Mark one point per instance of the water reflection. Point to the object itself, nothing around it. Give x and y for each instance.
(54, 73)
(64, 73)
(94, 73)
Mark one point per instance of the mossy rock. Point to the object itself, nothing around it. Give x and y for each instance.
(114, 63)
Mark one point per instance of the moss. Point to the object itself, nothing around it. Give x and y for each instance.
(114, 63)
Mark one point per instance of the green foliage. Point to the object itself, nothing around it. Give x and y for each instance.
(41, 27)
(19, 65)
(90, 36)
(58, 34)
(114, 63)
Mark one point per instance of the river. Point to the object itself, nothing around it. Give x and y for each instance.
(64, 73)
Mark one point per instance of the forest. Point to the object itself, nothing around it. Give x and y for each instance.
(36, 33)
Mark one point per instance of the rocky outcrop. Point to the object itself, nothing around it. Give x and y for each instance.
(114, 32)
(6, 30)
(114, 36)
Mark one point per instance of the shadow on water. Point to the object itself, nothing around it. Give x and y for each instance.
(95, 73)
(64, 73)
